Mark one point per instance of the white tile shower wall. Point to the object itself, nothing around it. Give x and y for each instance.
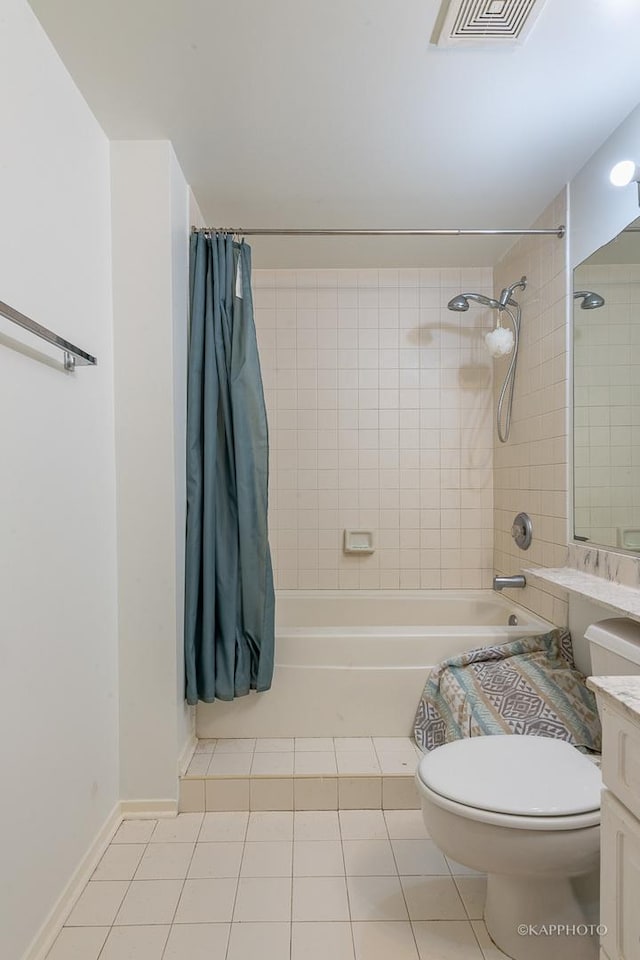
(380, 414)
(530, 470)
(607, 405)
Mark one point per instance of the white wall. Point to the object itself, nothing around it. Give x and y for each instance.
(598, 209)
(150, 284)
(58, 680)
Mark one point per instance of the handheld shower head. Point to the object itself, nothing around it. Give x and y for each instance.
(459, 304)
(590, 300)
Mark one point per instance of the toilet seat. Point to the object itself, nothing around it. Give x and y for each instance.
(514, 778)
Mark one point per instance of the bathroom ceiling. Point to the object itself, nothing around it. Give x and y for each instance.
(339, 113)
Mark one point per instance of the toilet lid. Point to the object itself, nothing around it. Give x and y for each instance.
(522, 775)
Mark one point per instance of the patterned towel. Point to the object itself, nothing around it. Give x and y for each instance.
(525, 686)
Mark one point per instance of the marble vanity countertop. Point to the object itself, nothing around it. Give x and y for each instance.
(618, 597)
(623, 692)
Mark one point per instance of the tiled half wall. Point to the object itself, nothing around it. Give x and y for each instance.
(381, 418)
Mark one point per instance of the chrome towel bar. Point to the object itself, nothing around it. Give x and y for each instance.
(72, 355)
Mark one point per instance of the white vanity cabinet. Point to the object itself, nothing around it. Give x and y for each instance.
(620, 825)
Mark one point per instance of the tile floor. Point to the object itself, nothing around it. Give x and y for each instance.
(305, 756)
(348, 885)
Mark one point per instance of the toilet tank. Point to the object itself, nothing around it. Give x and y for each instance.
(615, 647)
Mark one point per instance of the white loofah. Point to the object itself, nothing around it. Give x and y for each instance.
(499, 342)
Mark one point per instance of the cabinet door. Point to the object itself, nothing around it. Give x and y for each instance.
(620, 880)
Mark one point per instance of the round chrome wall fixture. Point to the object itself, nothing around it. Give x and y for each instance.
(522, 531)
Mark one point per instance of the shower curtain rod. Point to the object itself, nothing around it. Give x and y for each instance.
(259, 232)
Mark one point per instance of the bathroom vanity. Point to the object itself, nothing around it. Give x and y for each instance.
(619, 705)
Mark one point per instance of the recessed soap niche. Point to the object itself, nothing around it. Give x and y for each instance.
(358, 541)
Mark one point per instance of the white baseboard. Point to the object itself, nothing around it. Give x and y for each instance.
(148, 809)
(127, 809)
(50, 929)
(187, 754)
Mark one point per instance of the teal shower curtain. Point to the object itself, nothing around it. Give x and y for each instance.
(229, 597)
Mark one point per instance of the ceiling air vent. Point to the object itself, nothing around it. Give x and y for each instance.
(484, 21)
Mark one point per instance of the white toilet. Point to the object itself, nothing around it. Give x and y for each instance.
(526, 811)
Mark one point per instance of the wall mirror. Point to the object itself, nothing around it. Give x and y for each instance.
(606, 402)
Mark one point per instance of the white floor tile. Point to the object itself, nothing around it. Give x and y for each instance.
(149, 901)
(120, 861)
(272, 764)
(262, 899)
(206, 901)
(405, 824)
(270, 825)
(135, 943)
(352, 763)
(135, 831)
(78, 943)
(307, 744)
(243, 745)
(321, 941)
(205, 746)
(267, 859)
(224, 826)
(459, 869)
(315, 858)
(419, 857)
(197, 941)
(98, 903)
(316, 825)
(316, 763)
(266, 941)
(362, 825)
(488, 947)
(382, 941)
(320, 898)
(446, 940)
(393, 744)
(353, 744)
(230, 765)
(369, 858)
(165, 861)
(432, 898)
(213, 861)
(275, 745)
(473, 891)
(397, 763)
(199, 765)
(181, 829)
(376, 898)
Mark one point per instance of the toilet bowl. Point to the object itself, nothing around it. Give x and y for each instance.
(526, 811)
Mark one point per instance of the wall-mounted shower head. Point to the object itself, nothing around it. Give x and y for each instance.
(590, 300)
(507, 293)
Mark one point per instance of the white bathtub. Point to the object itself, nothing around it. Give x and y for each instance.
(354, 663)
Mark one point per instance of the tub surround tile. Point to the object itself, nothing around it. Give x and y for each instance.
(622, 693)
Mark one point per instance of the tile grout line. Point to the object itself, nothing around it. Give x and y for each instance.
(346, 884)
(184, 883)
